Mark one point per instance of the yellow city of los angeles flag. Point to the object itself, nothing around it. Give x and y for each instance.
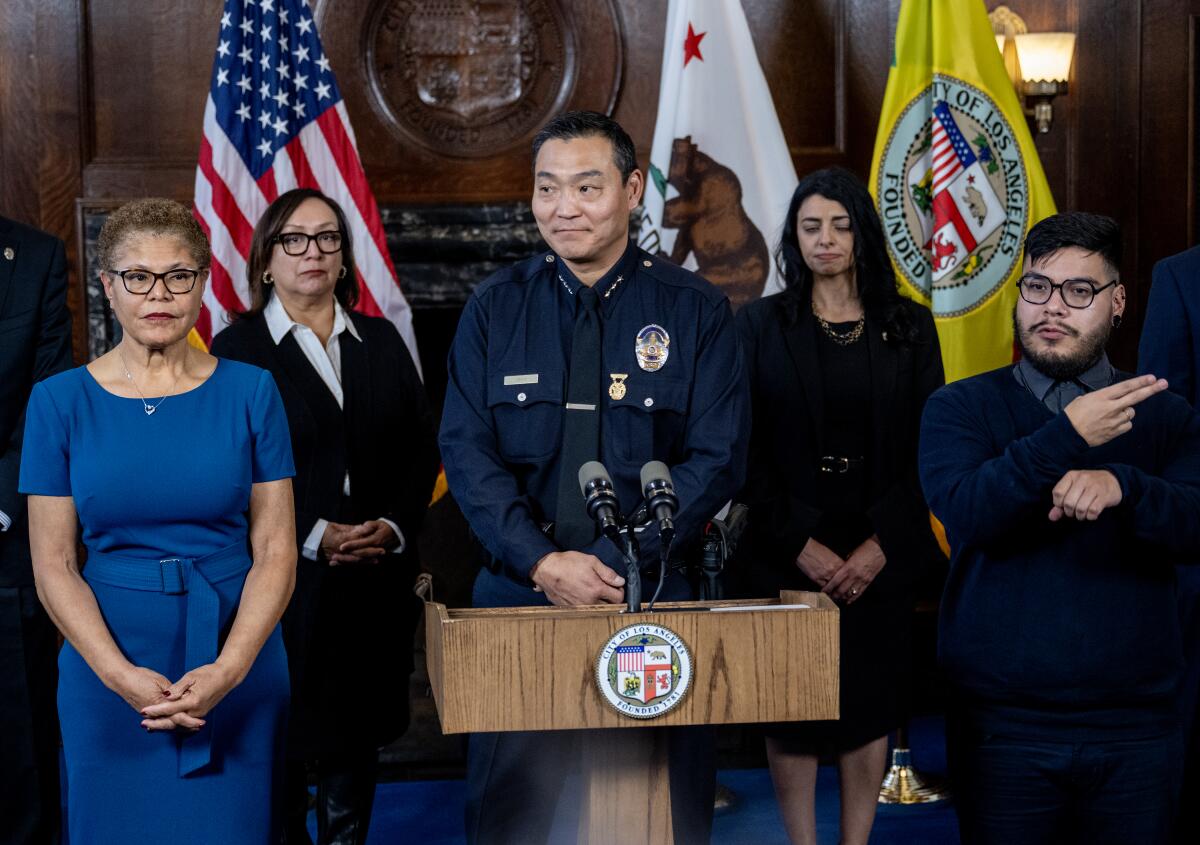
(957, 179)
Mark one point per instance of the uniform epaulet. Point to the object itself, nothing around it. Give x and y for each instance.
(668, 273)
(522, 271)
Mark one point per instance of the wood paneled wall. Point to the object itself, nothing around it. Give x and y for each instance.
(103, 100)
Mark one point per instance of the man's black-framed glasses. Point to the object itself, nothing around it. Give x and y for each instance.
(1076, 293)
(140, 282)
(296, 243)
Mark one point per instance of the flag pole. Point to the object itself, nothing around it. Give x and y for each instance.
(903, 784)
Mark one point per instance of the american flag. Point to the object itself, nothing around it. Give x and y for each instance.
(630, 658)
(274, 121)
(951, 152)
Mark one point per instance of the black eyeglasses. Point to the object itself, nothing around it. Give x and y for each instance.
(1076, 293)
(296, 243)
(141, 282)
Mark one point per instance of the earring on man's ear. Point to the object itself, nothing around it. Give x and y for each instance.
(1116, 321)
(342, 272)
(267, 278)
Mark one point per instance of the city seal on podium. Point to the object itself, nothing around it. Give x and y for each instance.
(953, 194)
(644, 670)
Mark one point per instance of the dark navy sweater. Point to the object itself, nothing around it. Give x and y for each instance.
(1069, 628)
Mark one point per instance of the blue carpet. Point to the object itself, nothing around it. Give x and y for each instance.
(431, 812)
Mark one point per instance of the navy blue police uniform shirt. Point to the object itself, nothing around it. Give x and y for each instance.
(502, 422)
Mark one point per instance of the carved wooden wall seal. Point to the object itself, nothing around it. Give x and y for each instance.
(469, 77)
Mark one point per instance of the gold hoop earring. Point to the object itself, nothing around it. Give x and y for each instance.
(267, 278)
(342, 272)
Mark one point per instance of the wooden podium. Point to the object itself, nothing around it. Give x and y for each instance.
(534, 669)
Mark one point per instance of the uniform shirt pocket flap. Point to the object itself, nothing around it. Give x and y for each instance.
(524, 388)
(650, 393)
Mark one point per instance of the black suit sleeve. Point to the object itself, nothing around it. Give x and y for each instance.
(53, 355)
(416, 441)
(775, 511)
(900, 516)
(1167, 341)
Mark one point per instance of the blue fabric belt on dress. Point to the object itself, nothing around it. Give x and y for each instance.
(177, 576)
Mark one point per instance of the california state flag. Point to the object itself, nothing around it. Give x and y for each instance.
(720, 175)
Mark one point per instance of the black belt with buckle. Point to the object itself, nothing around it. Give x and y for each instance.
(838, 465)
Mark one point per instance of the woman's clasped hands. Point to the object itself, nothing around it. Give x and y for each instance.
(166, 706)
(364, 543)
(843, 580)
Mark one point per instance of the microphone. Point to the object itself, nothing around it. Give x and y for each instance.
(600, 500)
(661, 501)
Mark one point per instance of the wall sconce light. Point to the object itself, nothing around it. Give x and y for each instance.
(1038, 63)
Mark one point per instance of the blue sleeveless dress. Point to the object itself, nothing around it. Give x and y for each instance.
(163, 501)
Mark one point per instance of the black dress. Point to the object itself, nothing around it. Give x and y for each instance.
(845, 386)
(875, 628)
(814, 398)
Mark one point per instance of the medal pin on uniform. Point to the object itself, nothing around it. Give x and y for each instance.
(616, 390)
(652, 348)
(8, 253)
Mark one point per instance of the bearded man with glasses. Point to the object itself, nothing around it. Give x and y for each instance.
(1069, 490)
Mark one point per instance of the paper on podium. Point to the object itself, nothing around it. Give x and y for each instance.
(756, 607)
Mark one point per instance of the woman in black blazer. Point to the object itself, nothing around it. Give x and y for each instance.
(366, 459)
(840, 366)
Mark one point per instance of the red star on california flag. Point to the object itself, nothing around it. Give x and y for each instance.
(691, 45)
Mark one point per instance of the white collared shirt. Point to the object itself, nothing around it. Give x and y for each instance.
(326, 359)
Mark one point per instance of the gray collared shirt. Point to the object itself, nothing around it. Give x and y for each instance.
(1056, 395)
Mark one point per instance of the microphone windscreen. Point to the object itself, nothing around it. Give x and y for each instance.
(655, 471)
(591, 471)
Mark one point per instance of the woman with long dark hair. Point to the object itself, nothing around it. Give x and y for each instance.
(840, 366)
(366, 460)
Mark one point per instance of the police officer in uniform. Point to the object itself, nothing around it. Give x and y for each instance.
(595, 350)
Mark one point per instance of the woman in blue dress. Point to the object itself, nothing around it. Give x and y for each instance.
(173, 685)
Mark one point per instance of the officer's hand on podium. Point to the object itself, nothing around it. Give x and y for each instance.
(577, 578)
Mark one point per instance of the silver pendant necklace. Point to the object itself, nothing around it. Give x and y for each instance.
(146, 406)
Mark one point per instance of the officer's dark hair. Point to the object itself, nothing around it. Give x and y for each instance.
(1093, 233)
(264, 241)
(588, 124)
(873, 272)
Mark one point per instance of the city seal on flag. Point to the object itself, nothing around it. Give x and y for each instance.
(953, 192)
(644, 671)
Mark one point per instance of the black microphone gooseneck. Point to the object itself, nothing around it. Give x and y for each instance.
(600, 501)
(662, 504)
